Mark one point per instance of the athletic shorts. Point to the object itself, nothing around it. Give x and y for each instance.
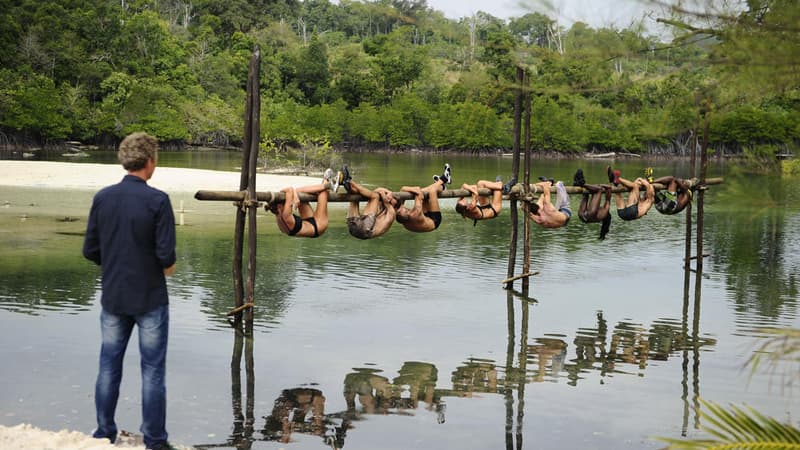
(629, 213)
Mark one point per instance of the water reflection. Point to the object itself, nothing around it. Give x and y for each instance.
(620, 349)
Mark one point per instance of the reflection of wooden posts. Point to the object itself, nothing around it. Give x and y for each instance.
(248, 204)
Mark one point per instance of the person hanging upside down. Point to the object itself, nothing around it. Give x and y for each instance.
(636, 206)
(483, 207)
(379, 212)
(590, 210)
(675, 197)
(425, 215)
(309, 223)
(543, 212)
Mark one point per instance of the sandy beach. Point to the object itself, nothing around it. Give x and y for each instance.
(56, 175)
(26, 437)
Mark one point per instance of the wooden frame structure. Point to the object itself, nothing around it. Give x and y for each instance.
(247, 199)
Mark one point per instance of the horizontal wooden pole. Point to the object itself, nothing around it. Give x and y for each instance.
(517, 277)
(516, 191)
(240, 309)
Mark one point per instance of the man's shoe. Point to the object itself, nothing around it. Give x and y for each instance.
(613, 175)
(336, 181)
(326, 177)
(509, 185)
(578, 179)
(447, 174)
(552, 181)
(498, 179)
(161, 446)
(346, 178)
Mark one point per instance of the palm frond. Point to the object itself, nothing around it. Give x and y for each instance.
(739, 428)
(783, 346)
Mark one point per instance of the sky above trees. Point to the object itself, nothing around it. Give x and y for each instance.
(597, 13)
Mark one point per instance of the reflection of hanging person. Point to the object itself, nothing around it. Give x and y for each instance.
(590, 210)
(309, 223)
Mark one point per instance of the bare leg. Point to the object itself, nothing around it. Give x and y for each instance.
(602, 212)
(286, 212)
(582, 209)
(545, 197)
(633, 196)
(321, 214)
(432, 203)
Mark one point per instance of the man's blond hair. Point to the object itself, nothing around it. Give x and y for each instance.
(136, 149)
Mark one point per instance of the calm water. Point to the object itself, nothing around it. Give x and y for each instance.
(409, 341)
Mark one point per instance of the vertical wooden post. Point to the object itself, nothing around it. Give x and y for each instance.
(238, 239)
(687, 260)
(512, 248)
(255, 139)
(526, 181)
(701, 190)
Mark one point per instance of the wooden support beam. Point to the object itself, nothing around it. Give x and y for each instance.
(520, 276)
(239, 309)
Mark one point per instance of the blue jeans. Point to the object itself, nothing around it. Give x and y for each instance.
(153, 331)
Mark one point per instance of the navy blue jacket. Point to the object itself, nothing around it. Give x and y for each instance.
(131, 235)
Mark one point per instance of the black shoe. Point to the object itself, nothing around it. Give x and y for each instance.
(509, 185)
(578, 179)
(447, 174)
(346, 178)
(552, 181)
(613, 175)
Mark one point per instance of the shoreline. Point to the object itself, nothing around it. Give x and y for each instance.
(92, 176)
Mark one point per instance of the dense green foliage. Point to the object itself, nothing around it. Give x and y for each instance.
(392, 73)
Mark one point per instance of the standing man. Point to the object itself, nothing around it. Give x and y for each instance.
(131, 235)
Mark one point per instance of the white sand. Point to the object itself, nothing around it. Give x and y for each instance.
(58, 175)
(27, 437)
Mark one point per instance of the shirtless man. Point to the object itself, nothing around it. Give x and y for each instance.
(309, 223)
(544, 213)
(482, 207)
(675, 197)
(636, 206)
(425, 215)
(379, 212)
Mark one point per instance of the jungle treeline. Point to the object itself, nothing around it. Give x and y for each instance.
(396, 74)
